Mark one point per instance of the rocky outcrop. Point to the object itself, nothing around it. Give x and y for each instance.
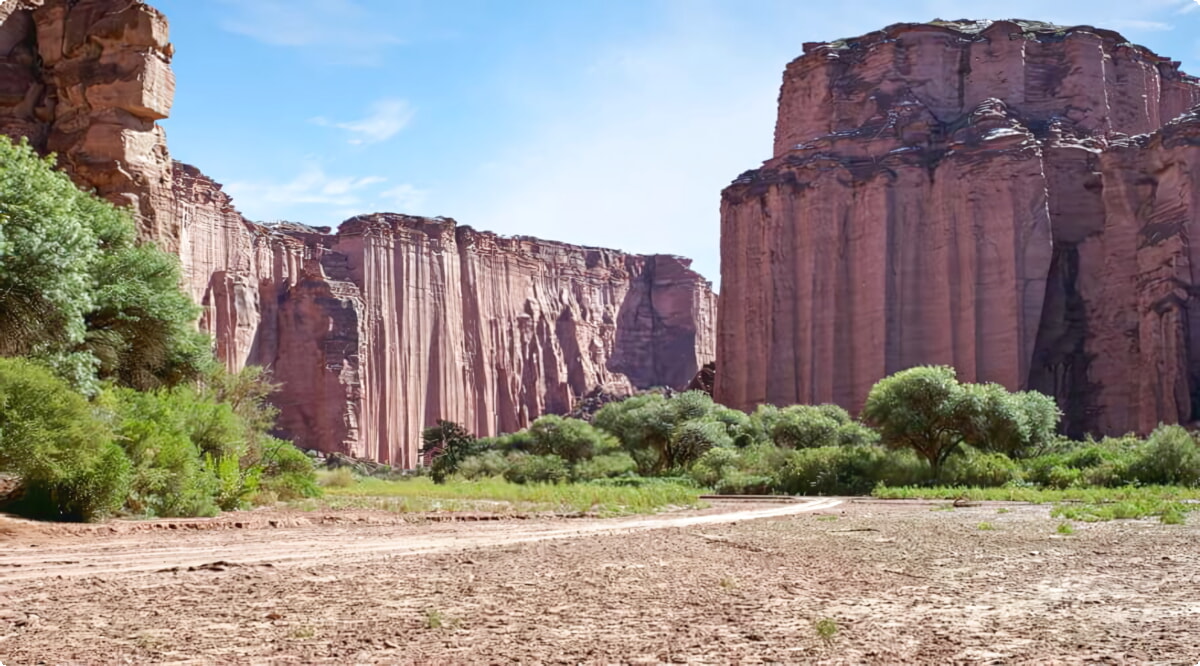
(88, 79)
(395, 321)
(377, 330)
(966, 193)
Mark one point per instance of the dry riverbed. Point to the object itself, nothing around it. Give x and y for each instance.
(861, 581)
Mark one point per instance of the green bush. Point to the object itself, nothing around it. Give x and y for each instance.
(606, 466)
(570, 439)
(714, 465)
(287, 471)
(530, 468)
(838, 470)
(1170, 456)
(485, 465)
(972, 468)
(449, 443)
(53, 440)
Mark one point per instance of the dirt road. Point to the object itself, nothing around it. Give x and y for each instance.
(183, 548)
(860, 582)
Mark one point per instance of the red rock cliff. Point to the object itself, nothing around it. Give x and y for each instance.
(965, 193)
(374, 331)
(395, 321)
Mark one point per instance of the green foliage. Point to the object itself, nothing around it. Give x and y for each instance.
(489, 464)
(53, 439)
(531, 468)
(286, 471)
(813, 426)
(1170, 456)
(607, 466)
(853, 470)
(646, 426)
(927, 410)
(570, 439)
(449, 443)
(984, 470)
(78, 292)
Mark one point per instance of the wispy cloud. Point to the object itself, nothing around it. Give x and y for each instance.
(316, 197)
(386, 118)
(402, 199)
(344, 24)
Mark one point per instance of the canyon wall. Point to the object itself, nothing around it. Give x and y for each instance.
(374, 331)
(1010, 198)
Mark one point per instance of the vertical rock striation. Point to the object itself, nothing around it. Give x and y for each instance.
(374, 331)
(975, 194)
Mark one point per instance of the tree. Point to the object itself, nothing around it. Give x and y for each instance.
(79, 292)
(448, 444)
(927, 410)
(647, 425)
(570, 439)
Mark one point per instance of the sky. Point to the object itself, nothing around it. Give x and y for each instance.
(613, 123)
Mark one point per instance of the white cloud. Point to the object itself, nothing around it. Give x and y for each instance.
(385, 120)
(344, 24)
(403, 198)
(312, 188)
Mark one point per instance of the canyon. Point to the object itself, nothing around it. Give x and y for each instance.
(1011, 198)
(374, 331)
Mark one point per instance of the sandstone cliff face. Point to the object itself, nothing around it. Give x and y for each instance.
(87, 79)
(374, 331)
(965, 194)
(397, 321)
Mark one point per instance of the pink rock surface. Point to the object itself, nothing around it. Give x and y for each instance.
(87, 79)
(377, 330)
(964, 193)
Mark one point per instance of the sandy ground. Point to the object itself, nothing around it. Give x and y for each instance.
(897, 582)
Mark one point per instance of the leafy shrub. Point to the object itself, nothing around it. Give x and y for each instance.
(736, 482)
(836, 470)
(51, 438)
(570, 439)
(449, 444)
(714, 465)
(603, 467)
(1170, 456)
(287, 471)
(976, 469)
(485, 465)
(529, 468)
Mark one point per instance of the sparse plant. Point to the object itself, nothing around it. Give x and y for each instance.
(1003, 510)
(827, 629)
(986, 527)
(729, 582)
(1065, 528)
(341, 477)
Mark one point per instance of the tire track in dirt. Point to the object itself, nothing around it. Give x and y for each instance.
(315, 544)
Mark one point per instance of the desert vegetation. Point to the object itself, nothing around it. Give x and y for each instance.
(110, 399)
(925, 434)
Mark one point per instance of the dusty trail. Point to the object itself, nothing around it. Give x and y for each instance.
(311, 545)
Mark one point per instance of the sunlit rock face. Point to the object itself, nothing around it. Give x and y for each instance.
(396, 321)
(1010, 198)
(379, 329)
(88, 79)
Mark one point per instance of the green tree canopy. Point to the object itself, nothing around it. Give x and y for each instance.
(78, 291)
(929, 411)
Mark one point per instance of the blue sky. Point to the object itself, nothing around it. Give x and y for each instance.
(601, 122)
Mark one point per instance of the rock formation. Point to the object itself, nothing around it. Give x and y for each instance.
(378, 329)
(1011, 198)
(88, 79)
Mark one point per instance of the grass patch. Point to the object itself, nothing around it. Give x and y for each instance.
(422, 494)
(1168, 511)
(986, 527)
(1041, 495)
(1065, 528)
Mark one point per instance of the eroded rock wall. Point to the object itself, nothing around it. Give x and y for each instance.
(88, 79)
(374, 331)
(965, 193)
